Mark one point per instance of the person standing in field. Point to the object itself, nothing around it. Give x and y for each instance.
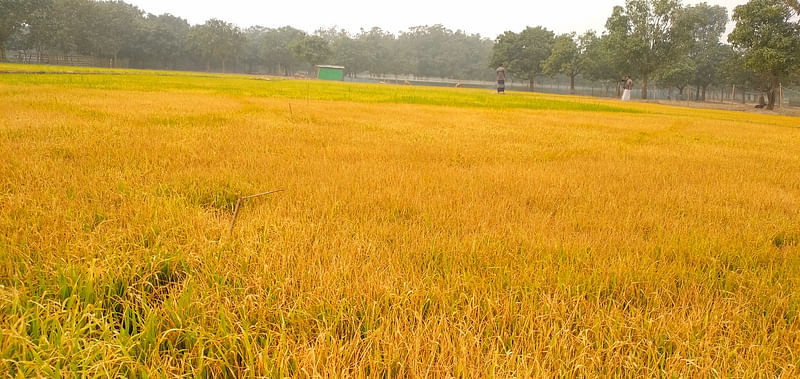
(627, 87)
(501, 79)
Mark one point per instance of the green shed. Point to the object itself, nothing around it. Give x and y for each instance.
(326, 72)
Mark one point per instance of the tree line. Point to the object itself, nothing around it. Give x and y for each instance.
(116, 30)
(654, 41)
(673, 45)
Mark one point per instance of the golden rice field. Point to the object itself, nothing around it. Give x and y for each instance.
(422, 233)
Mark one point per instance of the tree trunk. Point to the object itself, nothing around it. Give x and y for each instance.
(703, 94)
(572, 85)
(644, 87)
(223, 66)
(530, 83)
(771, 95)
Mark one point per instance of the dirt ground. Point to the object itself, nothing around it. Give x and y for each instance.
(739, 107)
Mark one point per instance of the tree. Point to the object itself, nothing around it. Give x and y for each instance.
(116, 26)
(523, 53)
(475, 51)
(345, 50)
(379, 47)
(614, 40)
(216, 40)
(14, 15)
(313, 50)
(165, 40)
(678, 74)
(436, 51)
(31, 36)
(734, 71)
(275, 49)
(645, 35)
(11, 20)
(603, 64)
(350, 52)
(569, 56)
(253, 49)
(708, 65)
(422, 49)
(705, 24)
(63, 26)
(769, 39)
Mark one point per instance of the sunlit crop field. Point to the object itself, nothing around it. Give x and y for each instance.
(422, 232)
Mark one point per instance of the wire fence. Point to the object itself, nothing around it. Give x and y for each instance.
(34, 57)
(787, 97)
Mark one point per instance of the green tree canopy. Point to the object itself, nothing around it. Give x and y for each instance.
(769, 40)
(523, 54)
(352, 53)
(216, 41)
(644, 36)
(164, 39)
(601, 62)
(436, 51)
(253, 48)
(275, 49)
(311, 49)
(734, 71)
(14, 14)
(379, 46)
(705, 25)
(115, 26)
(678, 74)
(569, 56)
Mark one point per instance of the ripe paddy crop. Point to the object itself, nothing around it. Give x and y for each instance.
(423, 232)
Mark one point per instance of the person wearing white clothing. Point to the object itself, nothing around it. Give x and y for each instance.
(628, 86)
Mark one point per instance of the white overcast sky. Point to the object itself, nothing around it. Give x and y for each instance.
(489, 18)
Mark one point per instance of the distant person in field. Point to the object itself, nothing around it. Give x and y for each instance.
(501, 80)
(627, 86)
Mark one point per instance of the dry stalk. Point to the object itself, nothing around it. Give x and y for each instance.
(239, 204)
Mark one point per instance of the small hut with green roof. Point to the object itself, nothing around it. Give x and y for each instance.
(328, 72)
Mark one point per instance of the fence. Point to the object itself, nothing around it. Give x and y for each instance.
(560, 85)
(788, 97)
(33, 57)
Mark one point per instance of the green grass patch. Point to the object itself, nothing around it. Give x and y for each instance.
(252, 86)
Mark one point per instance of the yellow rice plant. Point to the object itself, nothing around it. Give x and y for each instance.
(422, 233)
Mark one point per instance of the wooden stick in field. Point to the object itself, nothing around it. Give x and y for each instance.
(239, 203)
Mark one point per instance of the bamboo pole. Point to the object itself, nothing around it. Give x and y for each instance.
(239, 203)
